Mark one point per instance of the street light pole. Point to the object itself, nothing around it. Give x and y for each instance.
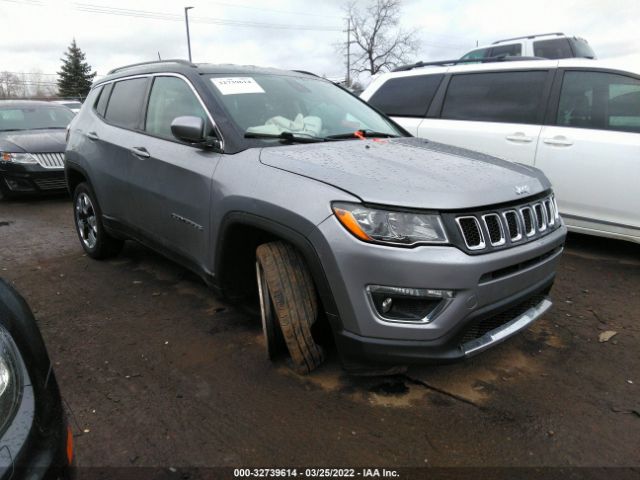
(186, 21)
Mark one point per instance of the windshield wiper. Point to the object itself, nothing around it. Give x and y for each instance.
(47, 128)
(285, 136)
(362, 134)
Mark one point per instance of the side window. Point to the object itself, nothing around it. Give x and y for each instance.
(476, 54)
(101, 104)
(513, 50)
(125, 103)
(509, 97)
(556, 48)
(171, 97)
(599, 100)
(406, 96)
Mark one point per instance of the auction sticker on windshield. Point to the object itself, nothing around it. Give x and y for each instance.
(235, 85)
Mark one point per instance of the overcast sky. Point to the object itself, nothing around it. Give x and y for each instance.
(35, 33)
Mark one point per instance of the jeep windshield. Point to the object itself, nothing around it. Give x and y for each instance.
(288, 109)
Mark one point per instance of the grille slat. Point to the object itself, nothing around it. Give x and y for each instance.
(50, 160)
(494, 228)
(471, 232)
(51, 183)
(527, 220)
(513, 225)
(541, 221)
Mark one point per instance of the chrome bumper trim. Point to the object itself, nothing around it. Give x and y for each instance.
(505, 331)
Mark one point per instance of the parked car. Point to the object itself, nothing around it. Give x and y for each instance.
(32, 141)
(545, 45)
(35, 441)
(576, 120)
(73, 105)
(412, 250)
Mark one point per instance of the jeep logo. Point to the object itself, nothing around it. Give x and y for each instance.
(522, 189)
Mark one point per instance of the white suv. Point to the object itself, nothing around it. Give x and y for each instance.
(577, 120)
(546, 45)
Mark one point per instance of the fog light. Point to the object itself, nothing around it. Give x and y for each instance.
(412, 305)
(386, 304)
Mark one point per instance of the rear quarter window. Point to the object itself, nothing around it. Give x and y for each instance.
(511, 50)
(103, 99)
(406, 96)
(126, 102)
(509, 97)
(553, 49)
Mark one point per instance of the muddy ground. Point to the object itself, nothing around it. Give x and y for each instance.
(157, 372)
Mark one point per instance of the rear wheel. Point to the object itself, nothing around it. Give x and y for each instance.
(290, 291)
(95, 241)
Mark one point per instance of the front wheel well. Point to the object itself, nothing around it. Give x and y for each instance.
(74, 178)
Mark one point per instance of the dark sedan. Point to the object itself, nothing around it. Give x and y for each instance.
(35, 441)
(32, 143)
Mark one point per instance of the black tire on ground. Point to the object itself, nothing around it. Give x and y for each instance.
(294, 299)
(274, 340)
(87, 216)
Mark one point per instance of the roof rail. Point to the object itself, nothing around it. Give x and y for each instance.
(528, 36)
(171, 60)
(500, 58)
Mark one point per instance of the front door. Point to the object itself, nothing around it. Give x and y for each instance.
(173, 180)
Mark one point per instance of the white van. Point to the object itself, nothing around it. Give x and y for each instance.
(577, 120)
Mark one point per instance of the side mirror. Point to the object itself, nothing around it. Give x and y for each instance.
(188, 129)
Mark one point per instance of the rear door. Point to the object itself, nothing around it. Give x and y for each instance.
(591, 150)
(497, 113)
(172, 180)
(407, 98)
(111, 136)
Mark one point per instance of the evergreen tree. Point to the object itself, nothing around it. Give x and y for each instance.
(75, 77)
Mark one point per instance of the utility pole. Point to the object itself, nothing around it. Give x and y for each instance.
(348, 52)
(186, 21)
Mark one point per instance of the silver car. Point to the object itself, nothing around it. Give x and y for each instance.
(409, 250)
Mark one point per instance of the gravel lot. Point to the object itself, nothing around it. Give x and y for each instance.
(157, 372)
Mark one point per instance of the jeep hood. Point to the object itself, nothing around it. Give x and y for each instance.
(33, 141)
(409, 172)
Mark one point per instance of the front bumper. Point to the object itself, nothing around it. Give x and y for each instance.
(29, 179)
(487, 289)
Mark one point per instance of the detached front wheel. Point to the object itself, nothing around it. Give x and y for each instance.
(289, 305)
(95, 241)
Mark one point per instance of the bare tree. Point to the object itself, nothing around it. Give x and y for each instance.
(380, 44)
(10, 85)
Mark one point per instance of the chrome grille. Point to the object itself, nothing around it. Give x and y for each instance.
(507, 226)
(50, 160)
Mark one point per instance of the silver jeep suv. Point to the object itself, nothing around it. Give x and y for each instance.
(411, 250)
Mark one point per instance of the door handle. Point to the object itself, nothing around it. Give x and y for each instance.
(140, 152)
(92, 136)
(519, 137)
(558, 141)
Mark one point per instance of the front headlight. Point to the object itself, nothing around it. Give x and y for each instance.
(17, 157)
(389, 226)
(10, 380)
